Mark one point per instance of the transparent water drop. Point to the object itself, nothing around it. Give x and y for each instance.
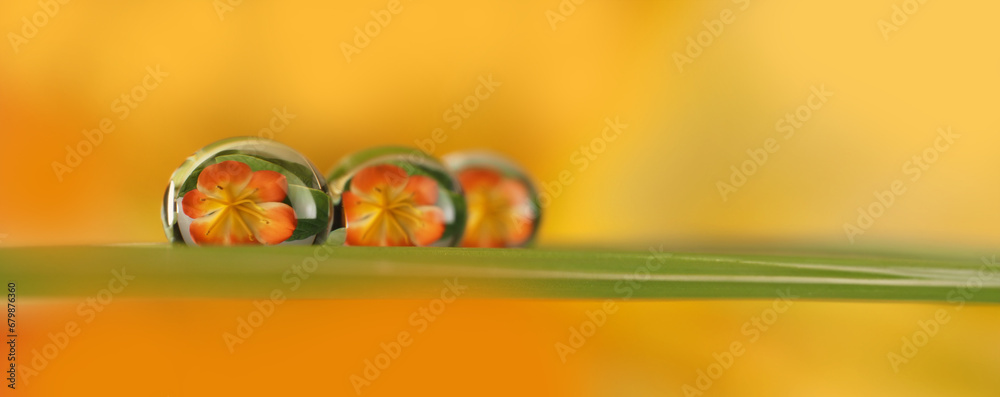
(396, 196)
(501, 199)
(247, 191)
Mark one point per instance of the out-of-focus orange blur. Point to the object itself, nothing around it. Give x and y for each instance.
(893, 74)
(225, 74)
(503, 348)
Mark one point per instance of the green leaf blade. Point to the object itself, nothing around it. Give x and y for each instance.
(369, 272)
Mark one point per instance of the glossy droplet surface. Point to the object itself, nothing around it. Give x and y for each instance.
(247, 191)
(395, 196)
(501, 200)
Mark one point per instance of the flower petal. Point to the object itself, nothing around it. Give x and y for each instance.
(396, 235)
(220, 228)
(480, 232)
(265, 186)
(356, 208)
(423, 226)
(225, 180)
(277, 224)
(432, 227)
(363, 223)
(424, 190)
(521, 224)
(478, 178)
(382, 229)
(196, 204)
(495, 222)
(359, 235)
(381, 176)
(513, 191)
(500, 210)
(384, 208)
(522, 213)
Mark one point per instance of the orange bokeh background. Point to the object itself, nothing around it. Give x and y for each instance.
(608, 59)
(176, 347)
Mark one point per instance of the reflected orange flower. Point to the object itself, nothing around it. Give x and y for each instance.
(500, 209)
(234, 206)
(387, 207)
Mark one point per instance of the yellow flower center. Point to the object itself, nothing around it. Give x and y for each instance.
(393, 213)
(234, 209)
(492, 213)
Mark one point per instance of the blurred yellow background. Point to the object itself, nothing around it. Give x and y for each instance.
(657, 182)
(219, 69)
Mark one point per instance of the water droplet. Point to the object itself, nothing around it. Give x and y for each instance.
(395, 196)
(239, 174)
(501, 199)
